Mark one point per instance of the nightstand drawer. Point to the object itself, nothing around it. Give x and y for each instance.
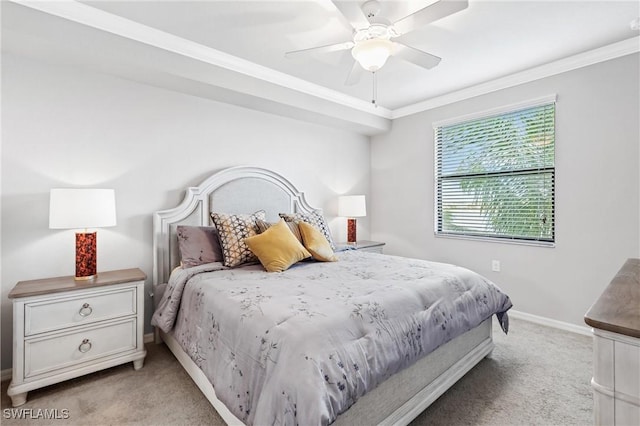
(56, 314)
(57, 351)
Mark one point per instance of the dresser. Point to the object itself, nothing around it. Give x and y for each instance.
(64, 328)
(615, 318)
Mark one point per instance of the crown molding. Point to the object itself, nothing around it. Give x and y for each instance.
(602, 54)
(83, 14)
(75, 11)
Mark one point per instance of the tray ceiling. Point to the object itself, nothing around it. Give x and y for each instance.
(487, 41)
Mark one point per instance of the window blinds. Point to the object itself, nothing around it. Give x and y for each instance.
(495, 176)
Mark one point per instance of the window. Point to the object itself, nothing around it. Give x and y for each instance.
(495, 174)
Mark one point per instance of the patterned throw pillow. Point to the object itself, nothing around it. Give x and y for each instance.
(233, 229)
(314, 219)
(293, 227)
(198, 245)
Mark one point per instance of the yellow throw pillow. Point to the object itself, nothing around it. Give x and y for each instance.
(277, 248)
(316, 243)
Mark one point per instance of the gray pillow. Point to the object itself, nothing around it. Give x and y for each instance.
(263, 226)
(198, 245)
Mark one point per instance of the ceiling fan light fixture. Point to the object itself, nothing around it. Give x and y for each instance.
(373, 53)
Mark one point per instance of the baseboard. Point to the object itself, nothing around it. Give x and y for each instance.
(6, 374)
(561, 325)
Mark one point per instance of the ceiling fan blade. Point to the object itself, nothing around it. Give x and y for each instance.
(415, 56)
(354, 74)
(429, 14)
(352, 11)
(322, 49)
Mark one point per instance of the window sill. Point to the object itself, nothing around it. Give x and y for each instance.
(546, 244)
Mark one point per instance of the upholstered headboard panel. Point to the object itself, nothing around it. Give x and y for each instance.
(233, 190)
(249, 195)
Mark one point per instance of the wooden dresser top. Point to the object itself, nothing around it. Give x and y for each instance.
(60, 284)
(618, 308)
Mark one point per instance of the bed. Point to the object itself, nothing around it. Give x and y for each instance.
(387, 371)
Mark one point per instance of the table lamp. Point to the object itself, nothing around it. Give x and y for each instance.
(352, 206)
(82, 208)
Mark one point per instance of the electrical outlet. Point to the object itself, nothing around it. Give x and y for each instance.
(495, 265)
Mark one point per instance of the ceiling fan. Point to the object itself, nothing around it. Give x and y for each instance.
(372, 35)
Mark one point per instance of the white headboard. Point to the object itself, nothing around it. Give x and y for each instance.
(234, 190)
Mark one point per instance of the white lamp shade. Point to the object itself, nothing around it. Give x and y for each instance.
(75, 208)
(352, 206)
(372, 54)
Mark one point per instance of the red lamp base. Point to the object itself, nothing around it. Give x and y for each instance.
(86, 255)
(351, 231)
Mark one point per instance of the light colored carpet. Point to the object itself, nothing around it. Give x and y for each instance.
(535, 376)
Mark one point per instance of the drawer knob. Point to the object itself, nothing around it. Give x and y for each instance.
(85, 346)
(86, 310)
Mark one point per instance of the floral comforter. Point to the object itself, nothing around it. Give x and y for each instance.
(301, 346)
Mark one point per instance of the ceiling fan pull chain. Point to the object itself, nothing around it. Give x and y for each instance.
(375, 90)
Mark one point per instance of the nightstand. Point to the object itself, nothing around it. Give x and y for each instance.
(63, 328)
(370, 246)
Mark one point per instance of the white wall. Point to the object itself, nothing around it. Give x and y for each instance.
(65, 127)
(597, 191)
(71, 127)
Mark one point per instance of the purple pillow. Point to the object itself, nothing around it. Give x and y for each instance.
(198, 245)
